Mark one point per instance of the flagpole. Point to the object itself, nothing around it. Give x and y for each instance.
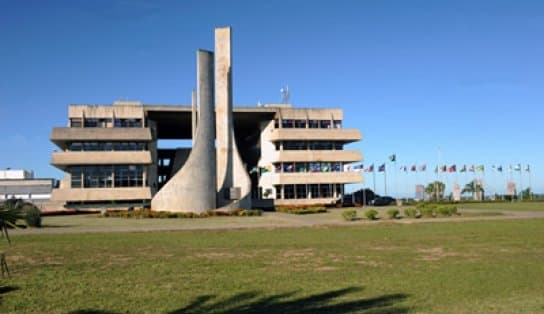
(374, 180)
(385, 179)
(521, 183)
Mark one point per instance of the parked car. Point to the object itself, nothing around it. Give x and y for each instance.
(383, 201)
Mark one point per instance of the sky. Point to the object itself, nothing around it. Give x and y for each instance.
(434, 82)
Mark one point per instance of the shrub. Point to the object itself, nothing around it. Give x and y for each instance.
(302, 210)
(412, 213)
(428, 211)
(371, 214)
(349, 214)
(146, 213)
(393, 214)
(31, 215)
(446, 210)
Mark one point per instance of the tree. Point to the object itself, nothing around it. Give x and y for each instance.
(475, 187)
(435, 190)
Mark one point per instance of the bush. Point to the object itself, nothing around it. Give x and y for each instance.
(146, 213)
(371, 214)
(412, 213)
(32, 215)
(393, 214)
(349, 214)
(446, 210)
(428, 212)
(301, 210)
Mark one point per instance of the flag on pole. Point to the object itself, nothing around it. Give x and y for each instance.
(509, 168)
(436, 169)
(423, 167)
(358, 167)
(480, 168)
(347, 168)
(527, 168)
(493, 168)
(393, 158)
(381, 168)
(463, 169)
(370, 169)
(413, 168)
(471, 169)
(444, 168)
(499, 168)
(453, 168)
(517, 167)
(403, 168)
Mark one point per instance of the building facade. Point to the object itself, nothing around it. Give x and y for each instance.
(240, 156)
(21, 184)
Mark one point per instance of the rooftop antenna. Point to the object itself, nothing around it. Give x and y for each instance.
(285, 94)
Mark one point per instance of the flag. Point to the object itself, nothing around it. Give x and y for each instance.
(413, 168)
(499, 168)
(471, 169)
(436, 169)
(493, 168)
(443, 168)
(453, 168)
(393, 158)
(370, 169)
(423, 167)
(480, 168)
(403, 168)
(517, 167)
(381, 168)
(527, 168)
(509, 168)
(347, 168)
(463, 169)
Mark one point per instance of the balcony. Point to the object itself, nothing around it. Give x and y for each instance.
(317, 155)
(346, 135)
(62, 136)
(311, 178)
(64, 159)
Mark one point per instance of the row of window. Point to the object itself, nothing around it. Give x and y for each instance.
(309, 145)
(287, 167)
(105, 146)
(105, 123)
(308, 191)
(311, 124)
(107, 176)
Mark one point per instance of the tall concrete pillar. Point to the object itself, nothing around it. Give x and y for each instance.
(193, 187)
(193, 114)
(231, 172)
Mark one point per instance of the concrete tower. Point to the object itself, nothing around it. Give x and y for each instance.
(192, 188)
(233, 182)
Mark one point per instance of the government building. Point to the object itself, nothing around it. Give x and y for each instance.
(239, 157)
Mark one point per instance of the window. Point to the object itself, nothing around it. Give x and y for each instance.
(128, 123)
(300, 124)
(91, 123)
(295, 145)
(287, 123)
(325, 167)
(314, 190)
(301, 167)
(325, 124)
(128, 175)
(289, 191)
(106, 146)
(288, 167)
(276, 124)
(76, 122)
(337, 167)
(75, 174)
(325, 190)
(277, 167)
(313, 124)
(337, 124)
(301, 191)
(278, 192)
(339, 188)
(338, 146)
(315, 167)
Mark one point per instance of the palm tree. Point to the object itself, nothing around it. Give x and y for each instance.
(435, 190)
(475, 188)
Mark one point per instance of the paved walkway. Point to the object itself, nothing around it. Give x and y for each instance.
(270, 220)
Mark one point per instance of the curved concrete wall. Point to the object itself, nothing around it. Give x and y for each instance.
(230, 168)
(193, 188)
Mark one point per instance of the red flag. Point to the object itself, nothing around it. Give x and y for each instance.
(453, 168)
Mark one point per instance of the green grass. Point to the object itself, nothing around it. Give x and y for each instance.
(469, 267)
(517, 206)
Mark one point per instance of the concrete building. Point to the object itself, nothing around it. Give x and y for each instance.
(21, 184)
(241, 156)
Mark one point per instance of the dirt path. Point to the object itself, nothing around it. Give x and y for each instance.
(269, 220)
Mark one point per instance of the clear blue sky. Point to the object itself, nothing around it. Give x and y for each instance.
(416, 77)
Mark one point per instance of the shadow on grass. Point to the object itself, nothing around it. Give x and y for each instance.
(91, 311)
(6, 289)
(253, 302)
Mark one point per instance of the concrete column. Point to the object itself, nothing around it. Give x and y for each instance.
(194, 114)
(231, 172)
(193, 187)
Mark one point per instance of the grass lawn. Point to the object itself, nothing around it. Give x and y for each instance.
(517, 206)
(469, 267)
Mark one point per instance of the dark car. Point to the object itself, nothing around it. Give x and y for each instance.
(383, 201)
